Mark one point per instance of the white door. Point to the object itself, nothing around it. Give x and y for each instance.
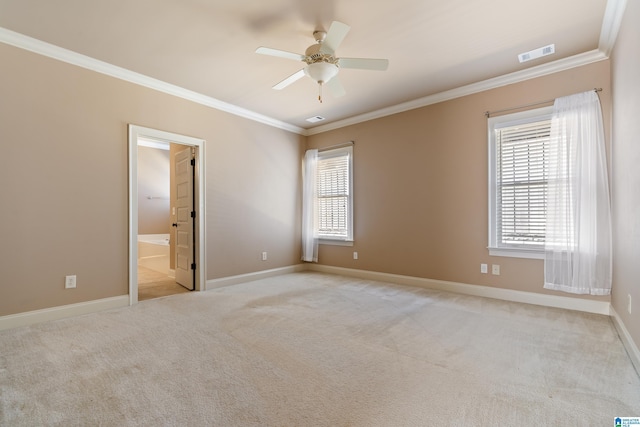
(185, 213)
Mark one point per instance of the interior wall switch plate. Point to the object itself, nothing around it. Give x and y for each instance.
(495, 269)
(70, 282)
(483, 269)
(264, 256)
(355, 255)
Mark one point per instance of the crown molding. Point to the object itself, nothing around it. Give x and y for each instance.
(49, 50)
(504, 80)
(611, 22)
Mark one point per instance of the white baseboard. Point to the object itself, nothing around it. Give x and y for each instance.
(70, 310)
(589, 306)
(632, 349)
(241, 278)
(61, 312)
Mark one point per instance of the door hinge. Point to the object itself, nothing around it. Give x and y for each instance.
(193, 162)
(193, 266)
(193, 214)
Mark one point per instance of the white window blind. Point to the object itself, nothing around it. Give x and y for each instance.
(521, 183)
(334, 194)
(518, 155)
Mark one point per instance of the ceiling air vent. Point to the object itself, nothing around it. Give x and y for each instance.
(537, 53)
(315, 119)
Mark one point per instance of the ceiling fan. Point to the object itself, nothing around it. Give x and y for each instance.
(322, 66)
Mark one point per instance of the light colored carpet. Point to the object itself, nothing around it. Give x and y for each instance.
(310, 349)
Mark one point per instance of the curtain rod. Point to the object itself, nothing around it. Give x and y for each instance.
(489, 113)
(331, 147)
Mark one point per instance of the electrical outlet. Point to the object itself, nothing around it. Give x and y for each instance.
(70, 282)
(483, 269)
(264, 256)
(355, 255)
(629, 303)
(495, 269)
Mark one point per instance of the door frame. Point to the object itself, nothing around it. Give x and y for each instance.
(136, 132)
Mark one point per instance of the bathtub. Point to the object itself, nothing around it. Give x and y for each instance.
(153, 252)
(153, 245)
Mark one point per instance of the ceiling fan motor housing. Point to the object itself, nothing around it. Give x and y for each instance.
(313, 55)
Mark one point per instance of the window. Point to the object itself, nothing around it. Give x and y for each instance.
(335, 195)
(519, 145)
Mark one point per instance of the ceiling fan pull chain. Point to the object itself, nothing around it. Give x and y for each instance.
(320, 92)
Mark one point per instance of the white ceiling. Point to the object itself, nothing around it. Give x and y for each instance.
(207, 46)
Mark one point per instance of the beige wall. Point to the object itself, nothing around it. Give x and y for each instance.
(153, 191)
(63, 134)
(625, 76)
(420, 186)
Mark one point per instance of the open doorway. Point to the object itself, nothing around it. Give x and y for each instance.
(157, 218)
(166, 213)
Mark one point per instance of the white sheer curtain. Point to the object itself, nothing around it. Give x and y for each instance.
(578, 226)
(309, 179)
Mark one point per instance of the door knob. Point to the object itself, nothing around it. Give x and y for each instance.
(175, 224)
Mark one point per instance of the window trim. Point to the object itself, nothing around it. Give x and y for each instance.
(494, 123)
(335, 152)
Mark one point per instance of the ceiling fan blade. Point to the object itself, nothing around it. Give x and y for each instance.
(335, 35)
(336, 88)
(279, 53)
(292, 78)
(364, 63)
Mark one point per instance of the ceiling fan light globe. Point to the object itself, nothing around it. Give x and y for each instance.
(321, 71)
